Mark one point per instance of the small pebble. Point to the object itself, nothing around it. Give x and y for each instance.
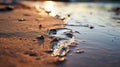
(31, 54)
(91, 27)
(48, 12)
(21, 19)
(55, 39)
(40, 37)
(62, 18)
(68, 15)
(58, 16)
(78, 51)
(37, 19)
(34, 39)
(77, 32)
(31, 48)
(40, 26)
(53, 31)
(69, 35)
(37, 58)
(61, 59)
(20, 38)
(26, 14)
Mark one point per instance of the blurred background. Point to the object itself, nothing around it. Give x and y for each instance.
(63, 0)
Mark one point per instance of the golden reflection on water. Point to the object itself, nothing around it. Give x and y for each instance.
(49, 5)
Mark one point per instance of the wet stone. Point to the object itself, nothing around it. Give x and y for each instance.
(48, 51)
(48, 12)
(58, 16)
(55, 39)
(54, 44)
(77, 32)
(31, 54)
(91, 27)
(62, 18)
(40, 37)
(61, 59)
(68, 15)
(78, 51)
(40, 40)
(52, 31)
(21, 19)
(70, 35)
(34, 39)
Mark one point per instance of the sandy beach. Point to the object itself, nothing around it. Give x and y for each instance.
(59, 34)
(19, 29)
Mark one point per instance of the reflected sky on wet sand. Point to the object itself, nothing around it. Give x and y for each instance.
(101, 44)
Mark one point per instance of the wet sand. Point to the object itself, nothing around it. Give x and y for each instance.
(19, 29)
(95, 30)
